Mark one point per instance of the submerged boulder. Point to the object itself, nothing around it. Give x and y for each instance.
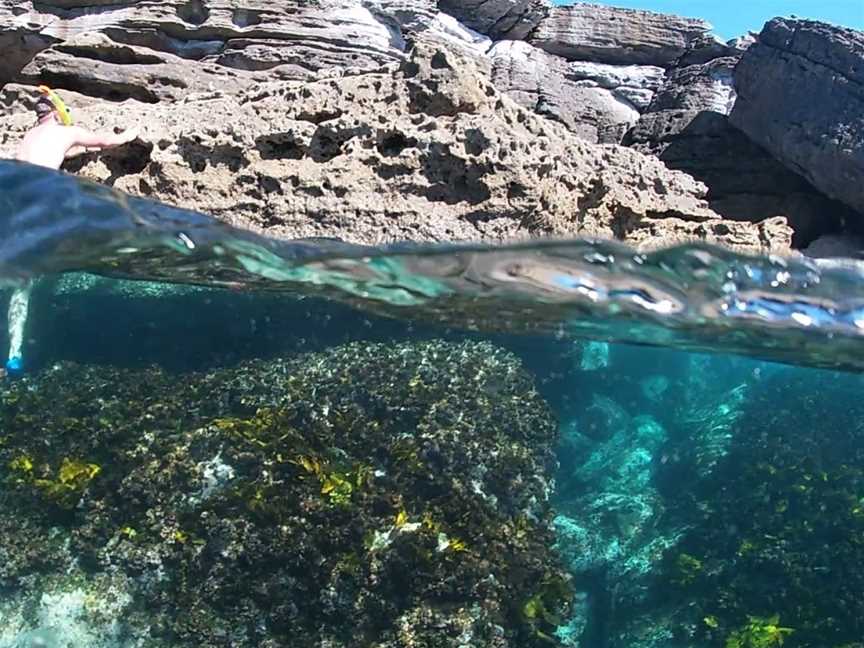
(378, 495)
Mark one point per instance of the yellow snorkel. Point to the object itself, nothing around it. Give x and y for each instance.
(61, 108)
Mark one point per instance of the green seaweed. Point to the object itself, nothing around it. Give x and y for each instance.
(63, 486)
(544, 610)
(759, 632)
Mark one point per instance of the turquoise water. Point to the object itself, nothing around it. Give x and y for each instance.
(222, 440)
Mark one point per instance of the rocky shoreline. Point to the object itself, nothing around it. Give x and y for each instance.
(390, 120)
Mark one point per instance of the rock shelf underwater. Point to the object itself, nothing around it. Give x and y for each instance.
(366, 495)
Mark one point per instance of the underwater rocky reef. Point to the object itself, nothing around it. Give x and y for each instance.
(774, 546)
(188, 467)
(709, 501)
(367, 495)
(301, 475)
(323, 489)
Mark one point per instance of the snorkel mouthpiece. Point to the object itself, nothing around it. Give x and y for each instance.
(61, 108)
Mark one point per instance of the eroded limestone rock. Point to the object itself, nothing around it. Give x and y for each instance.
(316, 119)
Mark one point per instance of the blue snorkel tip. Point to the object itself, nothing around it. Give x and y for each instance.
(14, 366)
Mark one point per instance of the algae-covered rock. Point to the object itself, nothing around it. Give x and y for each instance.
(369, 495)
(773, 553)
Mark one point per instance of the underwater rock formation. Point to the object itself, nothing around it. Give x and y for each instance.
(386, 496)
(774, 546)
(609, 527)
(72, 608)
(631, 446)
(735, 522)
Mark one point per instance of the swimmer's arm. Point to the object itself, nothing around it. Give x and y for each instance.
(83, 140)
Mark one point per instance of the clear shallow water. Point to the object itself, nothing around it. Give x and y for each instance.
(313, 444)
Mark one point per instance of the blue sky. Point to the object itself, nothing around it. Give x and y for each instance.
(733, 18)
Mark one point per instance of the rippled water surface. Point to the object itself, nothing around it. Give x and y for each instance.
(225, 440)
(801, 311)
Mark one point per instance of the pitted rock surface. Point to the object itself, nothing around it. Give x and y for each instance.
(427, 150)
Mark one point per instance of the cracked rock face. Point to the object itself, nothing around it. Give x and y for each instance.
(664, 86)
(634, 83)
(547, 85)
(801, 97)
(513, 19)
